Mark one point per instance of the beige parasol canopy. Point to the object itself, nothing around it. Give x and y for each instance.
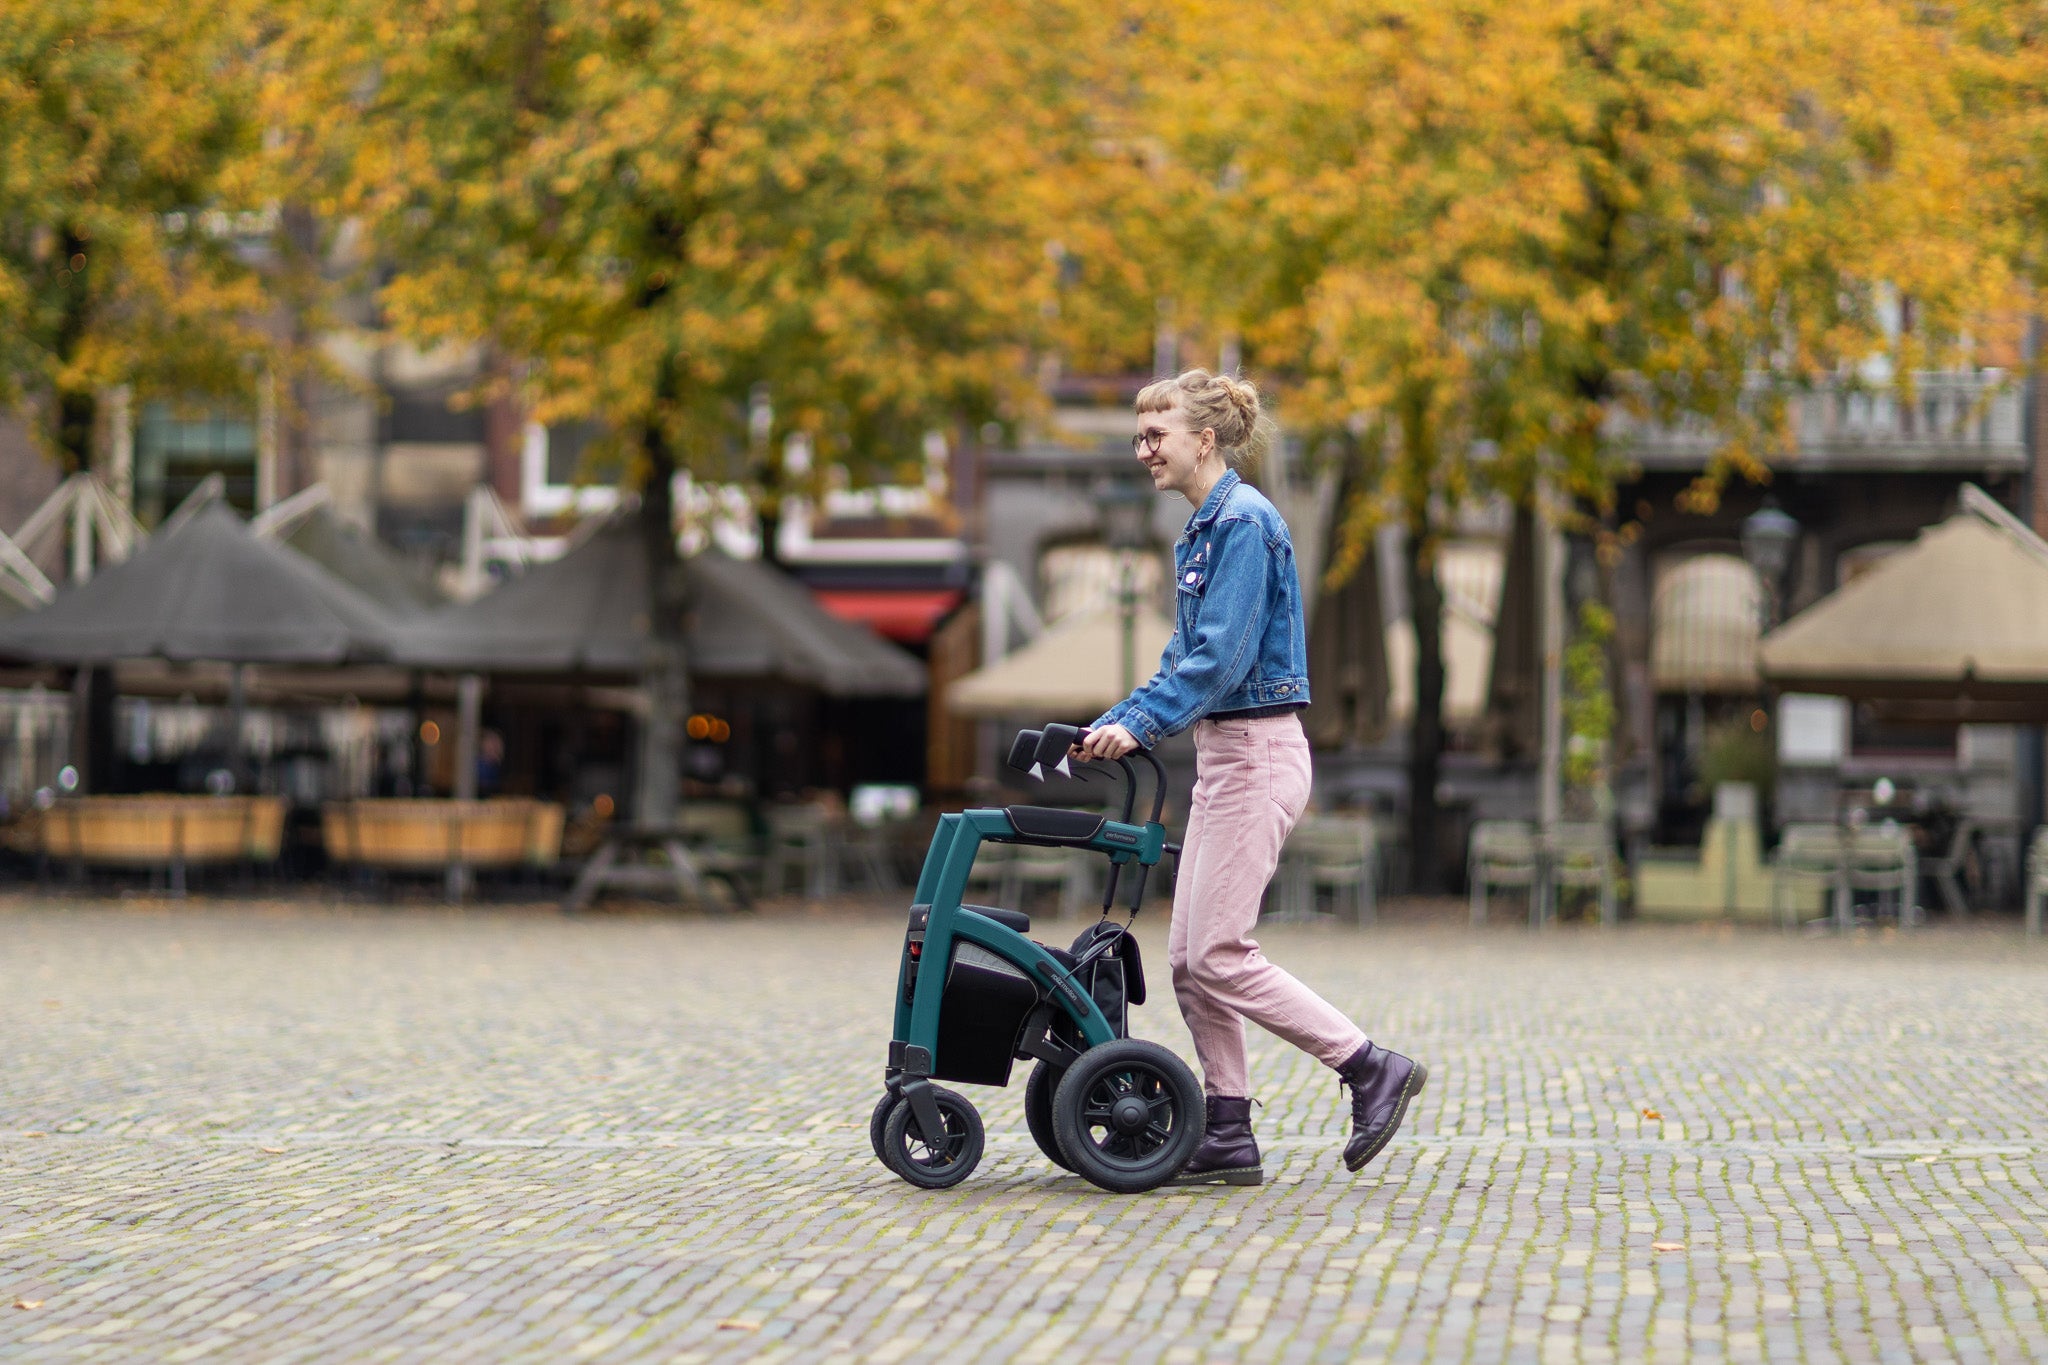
(1071, 672)
(1960, 615)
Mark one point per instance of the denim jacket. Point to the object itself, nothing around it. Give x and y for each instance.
(1238, 639)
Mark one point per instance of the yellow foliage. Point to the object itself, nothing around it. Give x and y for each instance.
(1462, 238)
(1468, 238)
(130, 214)
(657, 207)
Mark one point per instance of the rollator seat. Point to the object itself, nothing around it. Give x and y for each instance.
(920, 915)
(1011, 919)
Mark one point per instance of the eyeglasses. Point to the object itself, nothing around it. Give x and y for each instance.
(1149, 442)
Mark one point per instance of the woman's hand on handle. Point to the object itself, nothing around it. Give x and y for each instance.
(1110, 742)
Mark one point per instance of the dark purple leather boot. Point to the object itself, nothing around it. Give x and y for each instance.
(1229, 1155)
(1382, 1083)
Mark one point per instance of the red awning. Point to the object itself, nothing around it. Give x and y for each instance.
(906, 615)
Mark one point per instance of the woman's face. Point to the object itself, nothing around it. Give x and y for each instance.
(1180, 461)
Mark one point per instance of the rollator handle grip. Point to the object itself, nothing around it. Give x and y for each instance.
(1035, 751)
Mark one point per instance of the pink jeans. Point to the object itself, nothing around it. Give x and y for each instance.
(1251, 785)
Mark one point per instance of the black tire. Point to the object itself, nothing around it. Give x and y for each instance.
(1123, 1148)
(877, 1122)
(905, 1151)
(1038, 1092)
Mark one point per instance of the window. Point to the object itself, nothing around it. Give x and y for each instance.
(553, 457)
(177, 447)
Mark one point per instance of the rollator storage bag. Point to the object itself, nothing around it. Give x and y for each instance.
(981, 1017)
(1115, 978)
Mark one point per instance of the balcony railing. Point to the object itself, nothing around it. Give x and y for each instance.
(1953, 421)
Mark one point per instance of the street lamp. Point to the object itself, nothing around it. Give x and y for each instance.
(1768, 535)
(1127, 526)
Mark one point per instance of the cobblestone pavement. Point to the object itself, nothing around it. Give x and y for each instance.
(298, 1132)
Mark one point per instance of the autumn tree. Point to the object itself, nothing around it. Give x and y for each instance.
(131, 229)
(651, 209)
(1477, 240)
(1999, 79)
(1347, 176)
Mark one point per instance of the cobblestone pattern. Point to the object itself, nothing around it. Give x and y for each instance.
(296, 1133)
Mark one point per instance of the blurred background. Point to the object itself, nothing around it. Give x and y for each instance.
(545, 445)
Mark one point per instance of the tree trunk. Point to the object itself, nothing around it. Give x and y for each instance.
(658, 790)
(1426, 729)
(1514, 689)
(76, 411)
(297, 467)
(77, 414)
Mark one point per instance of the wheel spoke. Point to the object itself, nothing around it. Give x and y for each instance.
(921, 1152)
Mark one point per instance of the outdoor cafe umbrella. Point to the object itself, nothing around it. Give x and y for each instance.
(206, 590)
(587, 613)
(363, 562)
(1954, 625)
(1071, 672)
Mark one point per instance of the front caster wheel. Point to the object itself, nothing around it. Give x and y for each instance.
(1128, 1115)
(1038, 1093)
(940, 1165)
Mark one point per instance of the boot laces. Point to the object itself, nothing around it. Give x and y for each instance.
(1359, 1116)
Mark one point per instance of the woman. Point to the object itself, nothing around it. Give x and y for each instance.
(1236, 670)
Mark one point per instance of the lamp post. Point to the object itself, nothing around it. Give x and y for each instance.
(1768, 536)
(1126, 525)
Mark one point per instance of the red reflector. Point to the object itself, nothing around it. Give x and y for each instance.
(917, 950)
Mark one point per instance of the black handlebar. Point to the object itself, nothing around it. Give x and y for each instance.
(1048, 747)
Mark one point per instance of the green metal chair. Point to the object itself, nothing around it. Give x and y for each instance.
(1578, 853)
(1503, 853)
(1336, 852)
(1882, 860)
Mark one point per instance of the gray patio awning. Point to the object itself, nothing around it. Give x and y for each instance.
(363, 562)
(1074, 671)
(206, 590)
(1961, 615)
(587, 613)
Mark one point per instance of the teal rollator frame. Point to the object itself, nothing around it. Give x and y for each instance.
(974, 993)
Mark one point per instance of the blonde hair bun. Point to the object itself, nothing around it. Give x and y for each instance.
(1224, 404)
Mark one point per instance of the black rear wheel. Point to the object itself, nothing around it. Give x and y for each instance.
(933, 1165)
(1038, 1093)
(1128, 1115)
